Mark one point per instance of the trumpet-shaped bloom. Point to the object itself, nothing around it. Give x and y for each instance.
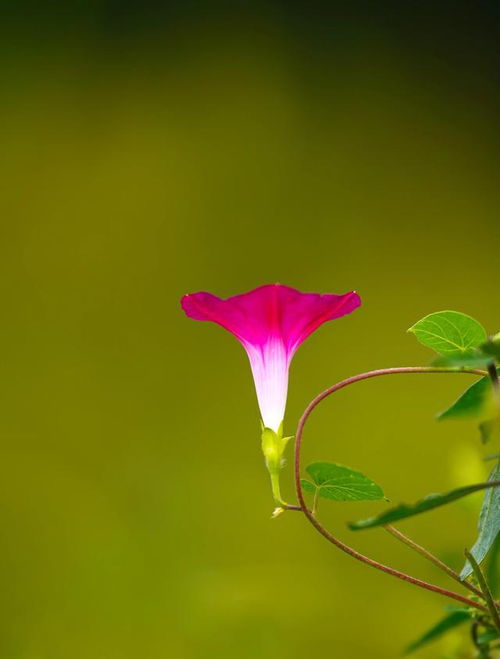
(271, 322)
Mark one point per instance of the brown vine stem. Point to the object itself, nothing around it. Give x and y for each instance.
(433, 559)
(493, 373)
(313, 519)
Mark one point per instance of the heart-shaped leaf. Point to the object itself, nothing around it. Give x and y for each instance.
(449, 332)
(340, 483)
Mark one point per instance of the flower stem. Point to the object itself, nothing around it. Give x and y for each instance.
(314, 521)
(275, 486)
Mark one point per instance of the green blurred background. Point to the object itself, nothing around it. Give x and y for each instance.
(153, 149)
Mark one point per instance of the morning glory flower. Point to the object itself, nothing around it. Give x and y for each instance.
(270, 322)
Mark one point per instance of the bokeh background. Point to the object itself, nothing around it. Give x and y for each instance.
(150, 149)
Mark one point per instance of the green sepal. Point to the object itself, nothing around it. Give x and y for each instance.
(273, 448)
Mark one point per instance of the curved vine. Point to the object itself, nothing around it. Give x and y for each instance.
(311, 517)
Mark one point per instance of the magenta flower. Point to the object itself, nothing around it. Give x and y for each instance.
(271, 322)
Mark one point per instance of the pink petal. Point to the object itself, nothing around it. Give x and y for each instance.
(270, 310)
(271, 322)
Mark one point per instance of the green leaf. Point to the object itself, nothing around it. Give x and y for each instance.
(487, 428)
(492, 346)
(489, 523)
(493, 571)
(307, 486)
(431, 501)
(445, 624)
(472, 359)
(449, 332)
(487, 637)
(472, 402)
(340, 483)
